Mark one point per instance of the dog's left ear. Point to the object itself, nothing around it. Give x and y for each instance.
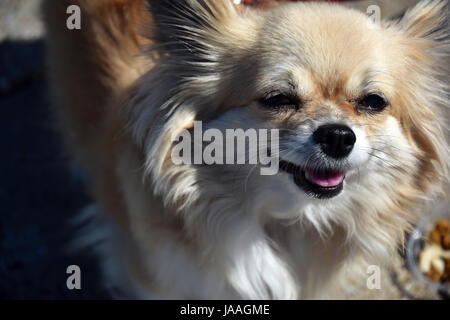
(427, 20)
(426, 53)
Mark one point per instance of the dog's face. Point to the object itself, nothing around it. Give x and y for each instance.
(356, 104)
(326, 78)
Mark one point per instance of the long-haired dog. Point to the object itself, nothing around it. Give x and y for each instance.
(359, 110)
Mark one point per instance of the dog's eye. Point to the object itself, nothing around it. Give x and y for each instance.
(280, 101)
(373, 102)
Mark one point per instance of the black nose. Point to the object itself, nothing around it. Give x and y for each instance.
(336, 140)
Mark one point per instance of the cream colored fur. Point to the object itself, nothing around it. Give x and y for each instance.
(207, 232)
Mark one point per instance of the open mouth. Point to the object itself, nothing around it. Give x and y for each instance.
(318, 183)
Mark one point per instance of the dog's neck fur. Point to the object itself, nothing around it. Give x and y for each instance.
(252, 259)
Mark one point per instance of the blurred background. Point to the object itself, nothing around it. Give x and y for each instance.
(40, 194)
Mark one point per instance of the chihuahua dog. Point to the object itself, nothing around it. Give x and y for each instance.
(358, 106)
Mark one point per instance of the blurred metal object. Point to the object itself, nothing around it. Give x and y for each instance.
(417, 241)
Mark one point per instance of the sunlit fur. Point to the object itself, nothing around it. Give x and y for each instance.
(226, 231)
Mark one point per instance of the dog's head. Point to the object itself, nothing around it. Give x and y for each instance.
(356, 105)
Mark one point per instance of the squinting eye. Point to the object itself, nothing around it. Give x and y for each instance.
(280, 101)
(373, 102)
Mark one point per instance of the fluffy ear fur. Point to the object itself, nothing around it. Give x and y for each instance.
(191, 38)
(181, 26)
(195, 39)
(427, 20)
(427, 51)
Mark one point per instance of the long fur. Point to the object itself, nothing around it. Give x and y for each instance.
(223, 231)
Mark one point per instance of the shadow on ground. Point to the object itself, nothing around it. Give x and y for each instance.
(38, 193)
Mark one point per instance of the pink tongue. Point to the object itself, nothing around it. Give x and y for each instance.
(326, 180)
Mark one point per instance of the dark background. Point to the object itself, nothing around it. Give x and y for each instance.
(39, 193)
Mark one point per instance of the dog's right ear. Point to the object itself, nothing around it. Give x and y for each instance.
(183, 25)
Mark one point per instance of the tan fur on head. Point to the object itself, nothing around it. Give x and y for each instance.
(226, 232)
